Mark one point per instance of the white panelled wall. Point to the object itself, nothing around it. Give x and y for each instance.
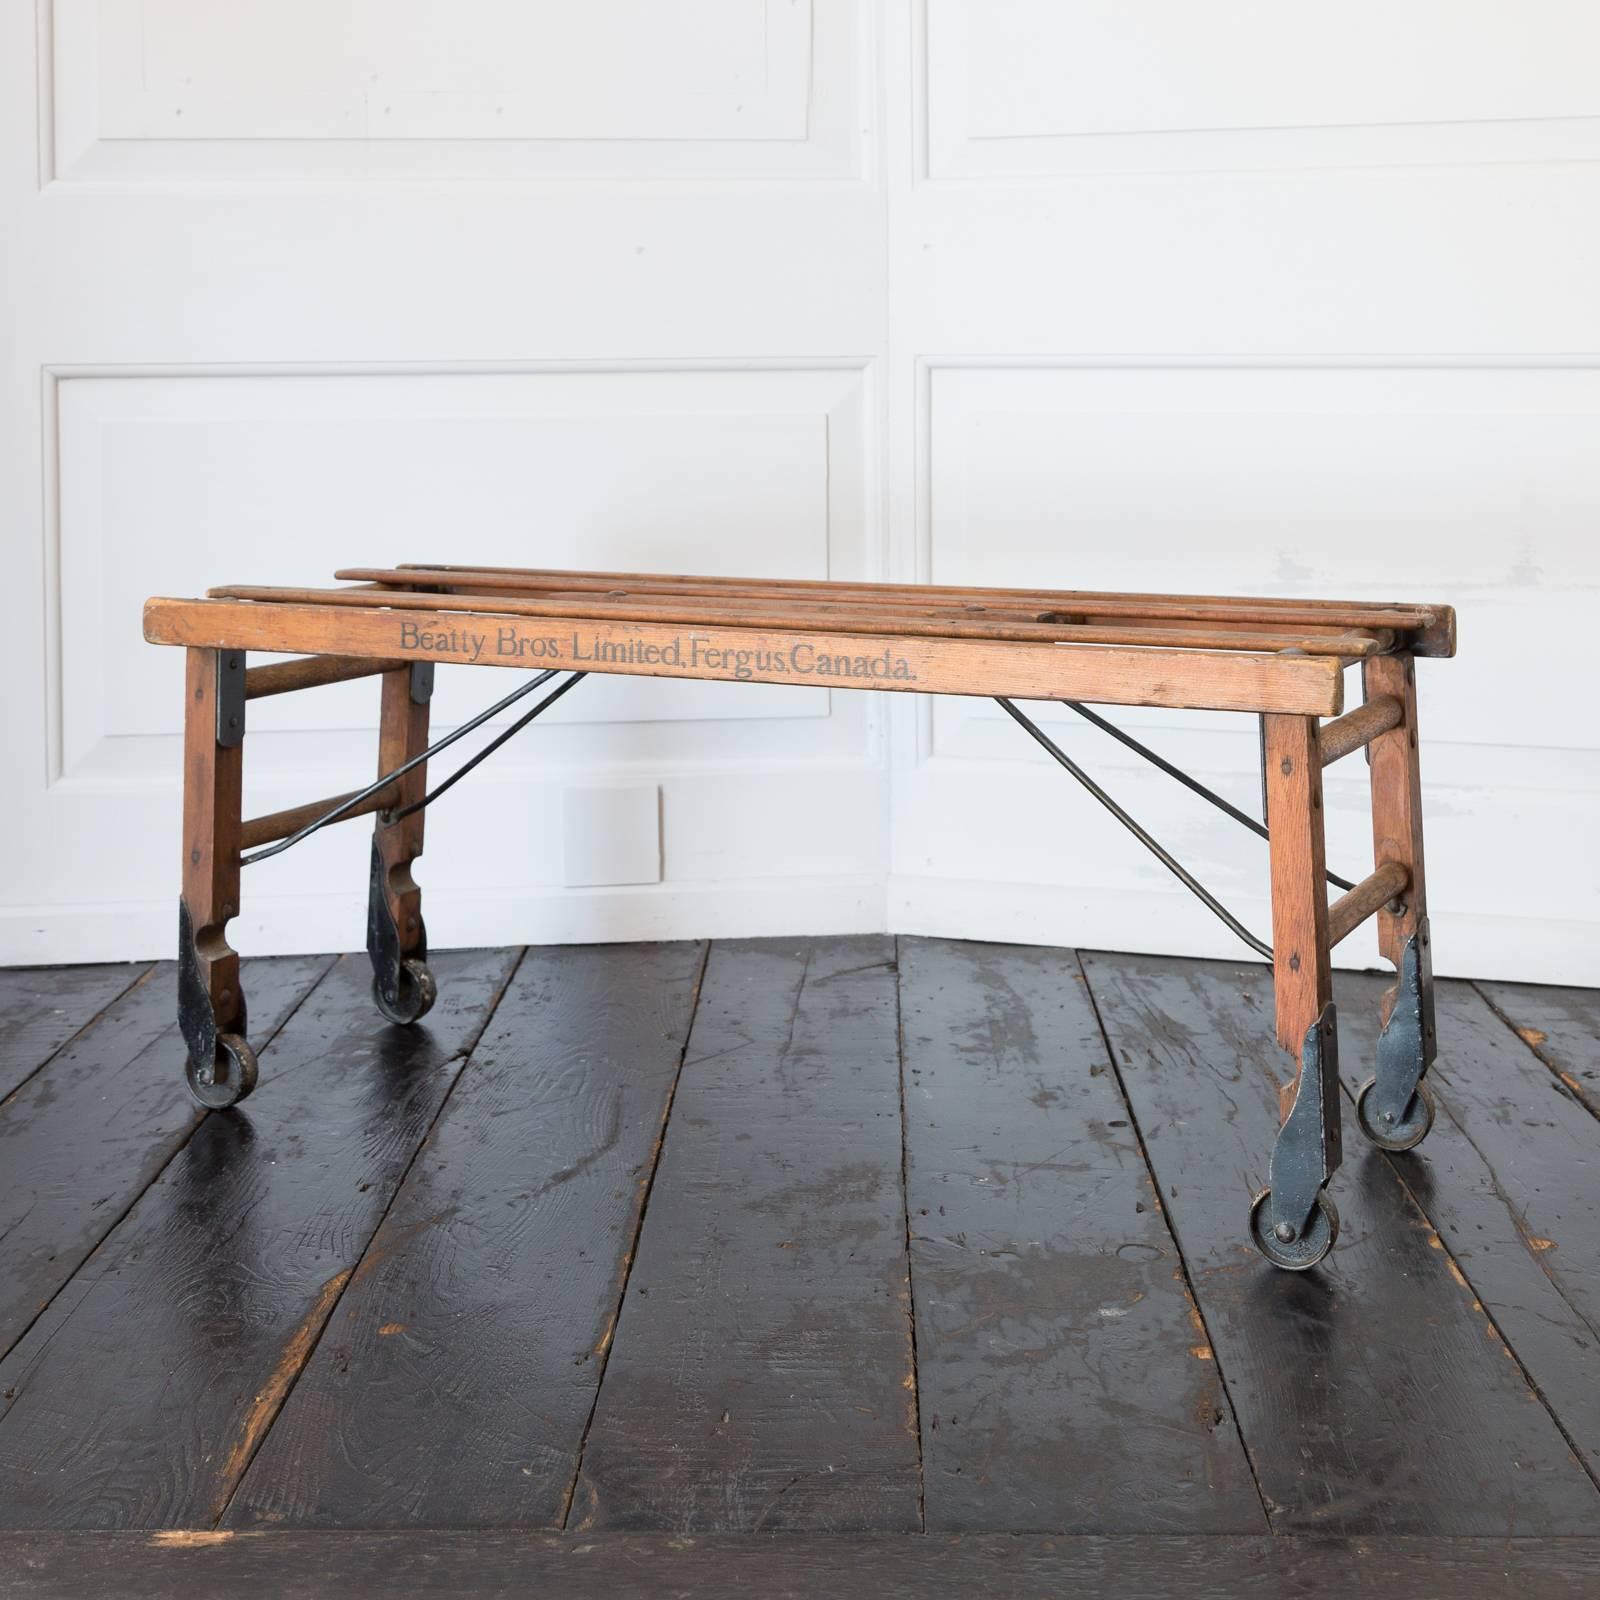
(1081, 293)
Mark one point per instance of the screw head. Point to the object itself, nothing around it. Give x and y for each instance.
(1284, 1232)
(1388, 1116)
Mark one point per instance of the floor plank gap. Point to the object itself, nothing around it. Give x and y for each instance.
(638, 1228)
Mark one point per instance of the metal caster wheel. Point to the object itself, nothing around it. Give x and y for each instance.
(231, 1078)
(414, 997)
(1408, 1132)
(1301, 1250)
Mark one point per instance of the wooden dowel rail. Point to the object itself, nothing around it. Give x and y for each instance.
(1359, 727)
(280, 824)
(310, 672)
(1371, 895)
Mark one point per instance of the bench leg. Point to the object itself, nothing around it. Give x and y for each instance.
(212, 1017)
(1293, 1223)
(397, 941)
(1394, 1107)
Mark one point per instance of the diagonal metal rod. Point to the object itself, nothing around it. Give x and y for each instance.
(1175, 867)
(1193, 784)
(371, 789)
(484, 754)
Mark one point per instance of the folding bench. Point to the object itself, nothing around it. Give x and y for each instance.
(1282, 659)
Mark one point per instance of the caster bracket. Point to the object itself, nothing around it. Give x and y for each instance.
(197, 1017)
(1409, 1041)
(383, 937)
(1310, 1144)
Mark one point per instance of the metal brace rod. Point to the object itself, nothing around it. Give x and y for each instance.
(487, 751)
(1193, 784)
(1176, 868)
(433, 749)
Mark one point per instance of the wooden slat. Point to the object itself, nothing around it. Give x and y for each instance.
(280, 824)
(1507, 1176)
(1373, 1393)
(456, 1377)
(839, 618)
(1434, 620)
(308, 672)
(293, 1565)
(43, 1007)
(139, 1397)
(1561, 1027)
(761, 1376)
(1110, 675)
(85, 1137)
(1064, 1379)
(1376, 890)
(1359, 727)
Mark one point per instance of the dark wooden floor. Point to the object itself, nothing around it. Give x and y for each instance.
(629, 1249)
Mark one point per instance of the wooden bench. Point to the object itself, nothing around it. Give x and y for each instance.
(1282, 659)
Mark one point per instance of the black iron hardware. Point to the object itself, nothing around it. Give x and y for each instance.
(351, 801)
(1170, 862)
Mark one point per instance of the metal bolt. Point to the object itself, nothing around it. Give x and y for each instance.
(1284, 1232)
(1388, 1116)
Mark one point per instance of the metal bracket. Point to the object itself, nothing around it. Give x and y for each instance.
(1409, 1040)
(230, 698)
(384, 946)
(421, 682)
(1310, 1143)
(197, 1020)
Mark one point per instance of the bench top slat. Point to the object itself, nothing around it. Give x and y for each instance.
(1431, 628)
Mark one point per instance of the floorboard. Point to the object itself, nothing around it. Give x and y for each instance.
(459, 1370)
(761, 1378)
(138, 1398)
(84, 1137)
(295, 1565)
(1053, 1320)
(1561, 1026)
(604, 1280)
(1374, 1394)
(42, 1007)
(1510, 1177)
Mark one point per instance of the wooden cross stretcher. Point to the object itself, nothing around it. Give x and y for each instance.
(1283, 659)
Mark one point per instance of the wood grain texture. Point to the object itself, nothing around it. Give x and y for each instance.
(402, 736)
(1301, 970)
(1373, 1393)
(1276, 608)
(42, 1007)
(1560, 1026)
(1397, 799)
(83, 1138)
(1130, 675)
(1510, 1178)
(309, 672)
(139, 1397)
(761, 1377)
(837, 614)
(458, 1373)
(285, 1565)
(213, 780)
(1065, 1381)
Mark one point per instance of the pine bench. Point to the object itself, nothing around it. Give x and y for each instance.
(1282, 659)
